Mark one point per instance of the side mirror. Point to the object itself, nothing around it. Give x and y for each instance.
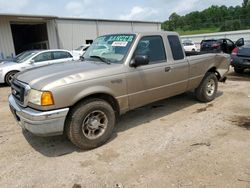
(139, 60)
(240, 42)
(32, 61)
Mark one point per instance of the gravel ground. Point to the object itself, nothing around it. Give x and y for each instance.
(177, 142)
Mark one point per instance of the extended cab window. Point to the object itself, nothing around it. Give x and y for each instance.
(176, 47)
(46, 56)
(153, 47)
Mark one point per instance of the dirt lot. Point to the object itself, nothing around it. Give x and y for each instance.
(177, 142)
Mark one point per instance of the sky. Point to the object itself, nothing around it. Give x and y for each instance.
(146, 10)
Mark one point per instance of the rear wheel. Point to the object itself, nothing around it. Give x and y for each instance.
(207, 89)
(238, 70)
(90, 124)
(9, 77)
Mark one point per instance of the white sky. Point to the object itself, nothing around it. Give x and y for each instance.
(151, 10)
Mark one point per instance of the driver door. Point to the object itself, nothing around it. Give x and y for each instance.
(147, 83)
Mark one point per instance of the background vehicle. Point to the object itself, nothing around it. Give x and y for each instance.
(31, 59)
(84, 99)
(221, 45)
(77, 53)
(240, 58)
(17, 58)
(189, 46)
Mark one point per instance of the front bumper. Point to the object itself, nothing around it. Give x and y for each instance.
(46, 123)
(1, 78)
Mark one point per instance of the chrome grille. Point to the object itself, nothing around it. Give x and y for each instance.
(20, 91)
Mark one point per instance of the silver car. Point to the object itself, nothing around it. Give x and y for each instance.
(31, 59)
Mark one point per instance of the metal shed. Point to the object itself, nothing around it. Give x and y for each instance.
(24, 32)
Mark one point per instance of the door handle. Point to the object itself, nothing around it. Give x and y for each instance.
(167, 69)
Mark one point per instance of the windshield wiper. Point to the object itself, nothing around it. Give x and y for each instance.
(101, 58)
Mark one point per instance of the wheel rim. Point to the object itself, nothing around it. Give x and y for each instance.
(10, 77)
(210, 87)
(95, 124)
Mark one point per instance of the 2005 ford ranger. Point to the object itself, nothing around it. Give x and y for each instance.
(118, 73)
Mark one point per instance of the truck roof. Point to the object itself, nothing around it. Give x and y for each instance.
(147, 33)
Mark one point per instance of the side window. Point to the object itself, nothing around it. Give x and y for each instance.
(46, 56)
(230, 43)
(153, 47)
(176, 47)
(61, 55)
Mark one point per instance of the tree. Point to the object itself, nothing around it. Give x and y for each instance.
(245, 3)
(218, 17)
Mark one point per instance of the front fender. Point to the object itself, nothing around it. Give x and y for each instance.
(90, 91)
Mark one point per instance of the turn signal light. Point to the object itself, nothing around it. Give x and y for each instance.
(47, 99)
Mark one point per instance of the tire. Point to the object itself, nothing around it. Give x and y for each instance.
(9, 76)
(207, 89)
(238, 70)
(90, 123)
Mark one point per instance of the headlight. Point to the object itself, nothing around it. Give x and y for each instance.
(41, 98)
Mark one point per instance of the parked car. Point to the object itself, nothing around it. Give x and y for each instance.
(83, 100)
(77, 53)
(221, 45)
(240, 58)
(189, 46)
(31, 59)
(101, 49)
(16, 58)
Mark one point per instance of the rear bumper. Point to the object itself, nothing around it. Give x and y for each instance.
(47, 123)
(239, 62)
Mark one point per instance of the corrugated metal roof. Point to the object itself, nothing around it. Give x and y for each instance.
(73, 18)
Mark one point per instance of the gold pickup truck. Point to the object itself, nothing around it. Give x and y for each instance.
(118, 73)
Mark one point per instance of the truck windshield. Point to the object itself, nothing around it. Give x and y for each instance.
(112, 48)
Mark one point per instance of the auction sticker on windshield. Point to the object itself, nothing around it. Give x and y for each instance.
(122, 38)
(119, 43)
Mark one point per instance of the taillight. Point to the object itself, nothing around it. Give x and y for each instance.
(235, 51)
(215, 45)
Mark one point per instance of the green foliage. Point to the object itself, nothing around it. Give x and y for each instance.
(198, 31)
(214, 18)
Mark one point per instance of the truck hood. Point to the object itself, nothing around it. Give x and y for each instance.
(56, 75)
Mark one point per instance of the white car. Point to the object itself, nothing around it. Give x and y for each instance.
(31, 59)
(189, 46)
(80, 51)
(101, 49)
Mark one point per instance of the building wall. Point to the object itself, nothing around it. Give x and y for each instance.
(74, 33)
(143, 27)
(52, 35)
(111, 27)
(68, 33)
(6, 40)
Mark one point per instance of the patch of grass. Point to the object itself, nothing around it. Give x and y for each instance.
(199, 31)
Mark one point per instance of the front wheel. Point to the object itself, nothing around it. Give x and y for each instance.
(207, 89)
(9, 77)
(90, 124)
